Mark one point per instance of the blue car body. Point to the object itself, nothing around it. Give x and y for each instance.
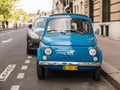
(69, 50)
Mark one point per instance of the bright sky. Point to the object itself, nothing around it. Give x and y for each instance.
(32, 6)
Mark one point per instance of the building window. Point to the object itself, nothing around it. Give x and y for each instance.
(91, 10)
(57, 3)
(67, 1)
(75, 8)
(81, 7)
(105, 10)
(71, 6)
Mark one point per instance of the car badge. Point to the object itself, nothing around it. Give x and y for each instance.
(70, 53)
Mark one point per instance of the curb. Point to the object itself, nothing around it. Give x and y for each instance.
(107, 38)
(1, 30)
(9, 29)
(112, 74)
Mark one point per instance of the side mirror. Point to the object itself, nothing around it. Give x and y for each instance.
(30, 26)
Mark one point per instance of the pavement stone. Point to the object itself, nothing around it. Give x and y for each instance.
(112, 74)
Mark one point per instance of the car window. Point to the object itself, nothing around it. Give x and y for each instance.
(70, 25)
(40, 23)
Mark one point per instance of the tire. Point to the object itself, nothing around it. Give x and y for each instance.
(29, 51)
(40, 72)
(97, 74)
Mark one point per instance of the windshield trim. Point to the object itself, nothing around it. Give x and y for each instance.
(77, 32)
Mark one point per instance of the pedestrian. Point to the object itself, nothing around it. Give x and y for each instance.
(7, 24)
(3, 24)
(15, 25)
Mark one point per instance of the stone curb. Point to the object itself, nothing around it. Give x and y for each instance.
(112, 74)
(10, 29)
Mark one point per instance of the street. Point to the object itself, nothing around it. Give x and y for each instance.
(110, 49)
(18, 70)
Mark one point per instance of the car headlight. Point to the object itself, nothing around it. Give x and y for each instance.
(92, 52)
(48, 51)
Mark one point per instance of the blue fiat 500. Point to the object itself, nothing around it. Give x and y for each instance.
(68, 43)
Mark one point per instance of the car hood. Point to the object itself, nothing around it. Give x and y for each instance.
(77, 40)
(38, 31)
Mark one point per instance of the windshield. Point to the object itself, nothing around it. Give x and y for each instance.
(40, 22)
(71, 25)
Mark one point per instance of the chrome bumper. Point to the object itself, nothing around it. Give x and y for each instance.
(70, 63)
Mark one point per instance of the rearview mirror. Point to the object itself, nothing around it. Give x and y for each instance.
(30, 26)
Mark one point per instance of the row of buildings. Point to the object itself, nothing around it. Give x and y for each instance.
(105, 14)
(33, 16)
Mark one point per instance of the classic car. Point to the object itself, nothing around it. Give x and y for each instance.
(34, 34)
(69, 43)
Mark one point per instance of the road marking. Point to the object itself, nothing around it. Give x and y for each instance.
(6, 41)
(27, 61)
(20, 76)
(5, 74)
(24, 67)
(15, 87)
(29, 57)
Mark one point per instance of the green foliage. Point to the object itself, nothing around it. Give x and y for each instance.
(20, 15)
(6, 6)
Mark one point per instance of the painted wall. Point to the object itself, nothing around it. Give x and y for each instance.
(114, 29)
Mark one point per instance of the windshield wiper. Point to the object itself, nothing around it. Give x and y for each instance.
(52, 30)
(74, 31)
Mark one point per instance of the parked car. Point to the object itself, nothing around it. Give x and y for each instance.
(69, 43)
(34, 34)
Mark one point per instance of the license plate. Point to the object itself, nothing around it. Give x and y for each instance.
(70, 67)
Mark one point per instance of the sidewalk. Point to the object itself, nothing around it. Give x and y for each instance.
(11, 28)
(6, 29)
(111, 60)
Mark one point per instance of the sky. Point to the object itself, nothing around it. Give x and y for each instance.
(32, 6)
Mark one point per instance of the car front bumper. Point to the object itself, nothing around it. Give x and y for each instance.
(56, 63)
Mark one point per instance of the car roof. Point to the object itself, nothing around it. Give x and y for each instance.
(70, 15)
(43, 16)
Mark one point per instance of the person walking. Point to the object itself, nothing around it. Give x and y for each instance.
(3, 24)
(7, 24)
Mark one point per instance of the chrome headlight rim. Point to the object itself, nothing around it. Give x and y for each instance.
(48, 51)
(92, 52)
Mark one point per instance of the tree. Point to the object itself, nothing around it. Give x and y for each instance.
(6, 6)
(20, 15)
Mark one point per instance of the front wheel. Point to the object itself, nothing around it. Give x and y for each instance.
(29, 51)
(40, 72)
(97, 74)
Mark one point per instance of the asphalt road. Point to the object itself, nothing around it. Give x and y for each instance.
(111, 50)
(18, 70)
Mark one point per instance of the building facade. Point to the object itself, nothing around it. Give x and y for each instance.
(78, 6)
(68, 6)
(58, 6)
(62, 6)
(105, 15)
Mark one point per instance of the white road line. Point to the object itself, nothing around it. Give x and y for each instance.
(27, 61)
(6, 41)
(24, 67)
(5, 74)
(15, 87)
(20, 75)
(29, 57)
